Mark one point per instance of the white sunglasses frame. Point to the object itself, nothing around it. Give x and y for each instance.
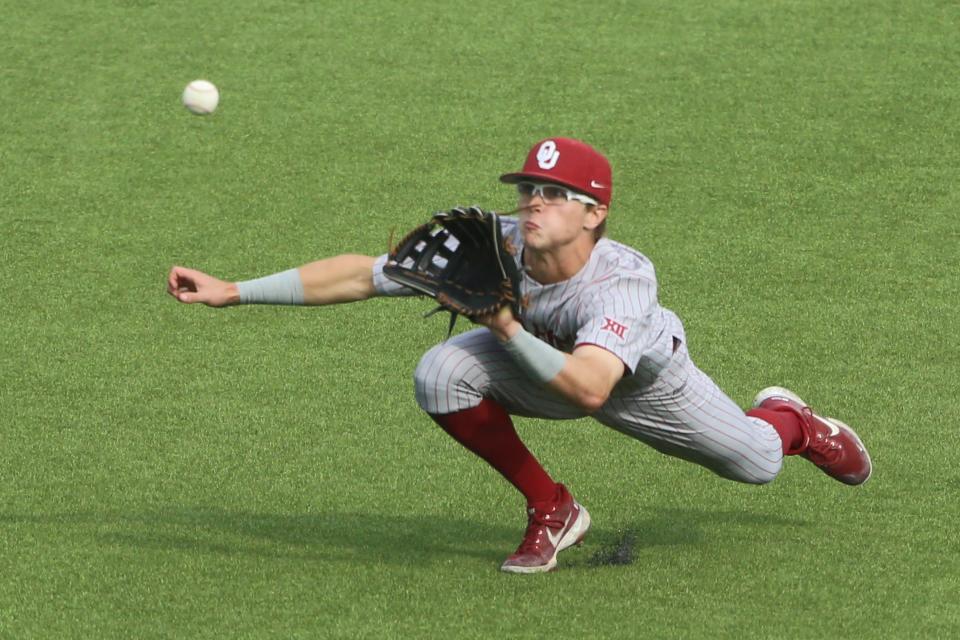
(568, 194)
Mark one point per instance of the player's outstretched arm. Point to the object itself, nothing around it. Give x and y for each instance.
(191, 286)
(345, 278)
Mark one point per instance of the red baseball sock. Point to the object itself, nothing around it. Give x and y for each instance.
(488, 431)
(787, 425)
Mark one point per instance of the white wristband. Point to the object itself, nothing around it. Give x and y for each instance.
(539, 360)
(285, 287)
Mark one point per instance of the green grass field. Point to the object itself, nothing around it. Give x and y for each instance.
(182, 472)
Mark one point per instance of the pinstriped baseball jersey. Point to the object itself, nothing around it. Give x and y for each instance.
(611, 303)
(663, 399)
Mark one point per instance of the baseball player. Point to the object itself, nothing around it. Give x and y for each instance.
(593, 341)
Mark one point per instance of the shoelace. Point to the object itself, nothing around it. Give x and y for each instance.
(534, 534)
(826, 450)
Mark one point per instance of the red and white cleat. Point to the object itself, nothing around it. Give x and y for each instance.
(828, 443)
(549, 531)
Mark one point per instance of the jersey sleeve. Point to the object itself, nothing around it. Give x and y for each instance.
(618, 315)
(387, 287)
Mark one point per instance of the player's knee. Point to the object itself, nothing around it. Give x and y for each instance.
(444, 380)
(751, 474)
(765, 476)
(424, 382)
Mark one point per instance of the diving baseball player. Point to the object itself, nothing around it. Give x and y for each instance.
(593, 340)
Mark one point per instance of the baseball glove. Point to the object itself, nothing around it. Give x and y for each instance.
(461, 259)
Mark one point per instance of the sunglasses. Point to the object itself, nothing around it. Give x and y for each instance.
(552, 193)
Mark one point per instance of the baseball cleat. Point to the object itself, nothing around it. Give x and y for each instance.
(828, 443)
(549, 532)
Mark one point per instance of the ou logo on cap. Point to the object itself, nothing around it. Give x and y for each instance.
(547, 155)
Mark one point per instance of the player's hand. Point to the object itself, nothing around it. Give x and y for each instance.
(191, 286)
(502, 323)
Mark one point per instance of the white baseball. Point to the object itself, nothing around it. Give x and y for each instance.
(201, 97)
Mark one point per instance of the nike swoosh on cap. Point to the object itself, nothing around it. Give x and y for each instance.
(596, 185)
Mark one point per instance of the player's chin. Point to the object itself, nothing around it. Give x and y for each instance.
(533, 238)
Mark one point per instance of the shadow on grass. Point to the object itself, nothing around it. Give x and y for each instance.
(375, 538)
(672, 527)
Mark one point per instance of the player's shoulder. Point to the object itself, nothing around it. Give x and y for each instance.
(616, 258)
(620, 276)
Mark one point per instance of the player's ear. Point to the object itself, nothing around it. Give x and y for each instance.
(596, 214)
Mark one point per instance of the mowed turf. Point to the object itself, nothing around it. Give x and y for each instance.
(174, 471)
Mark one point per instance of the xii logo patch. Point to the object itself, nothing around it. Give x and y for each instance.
(614, 327)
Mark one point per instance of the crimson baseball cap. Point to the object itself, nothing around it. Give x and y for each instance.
(569, 162)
